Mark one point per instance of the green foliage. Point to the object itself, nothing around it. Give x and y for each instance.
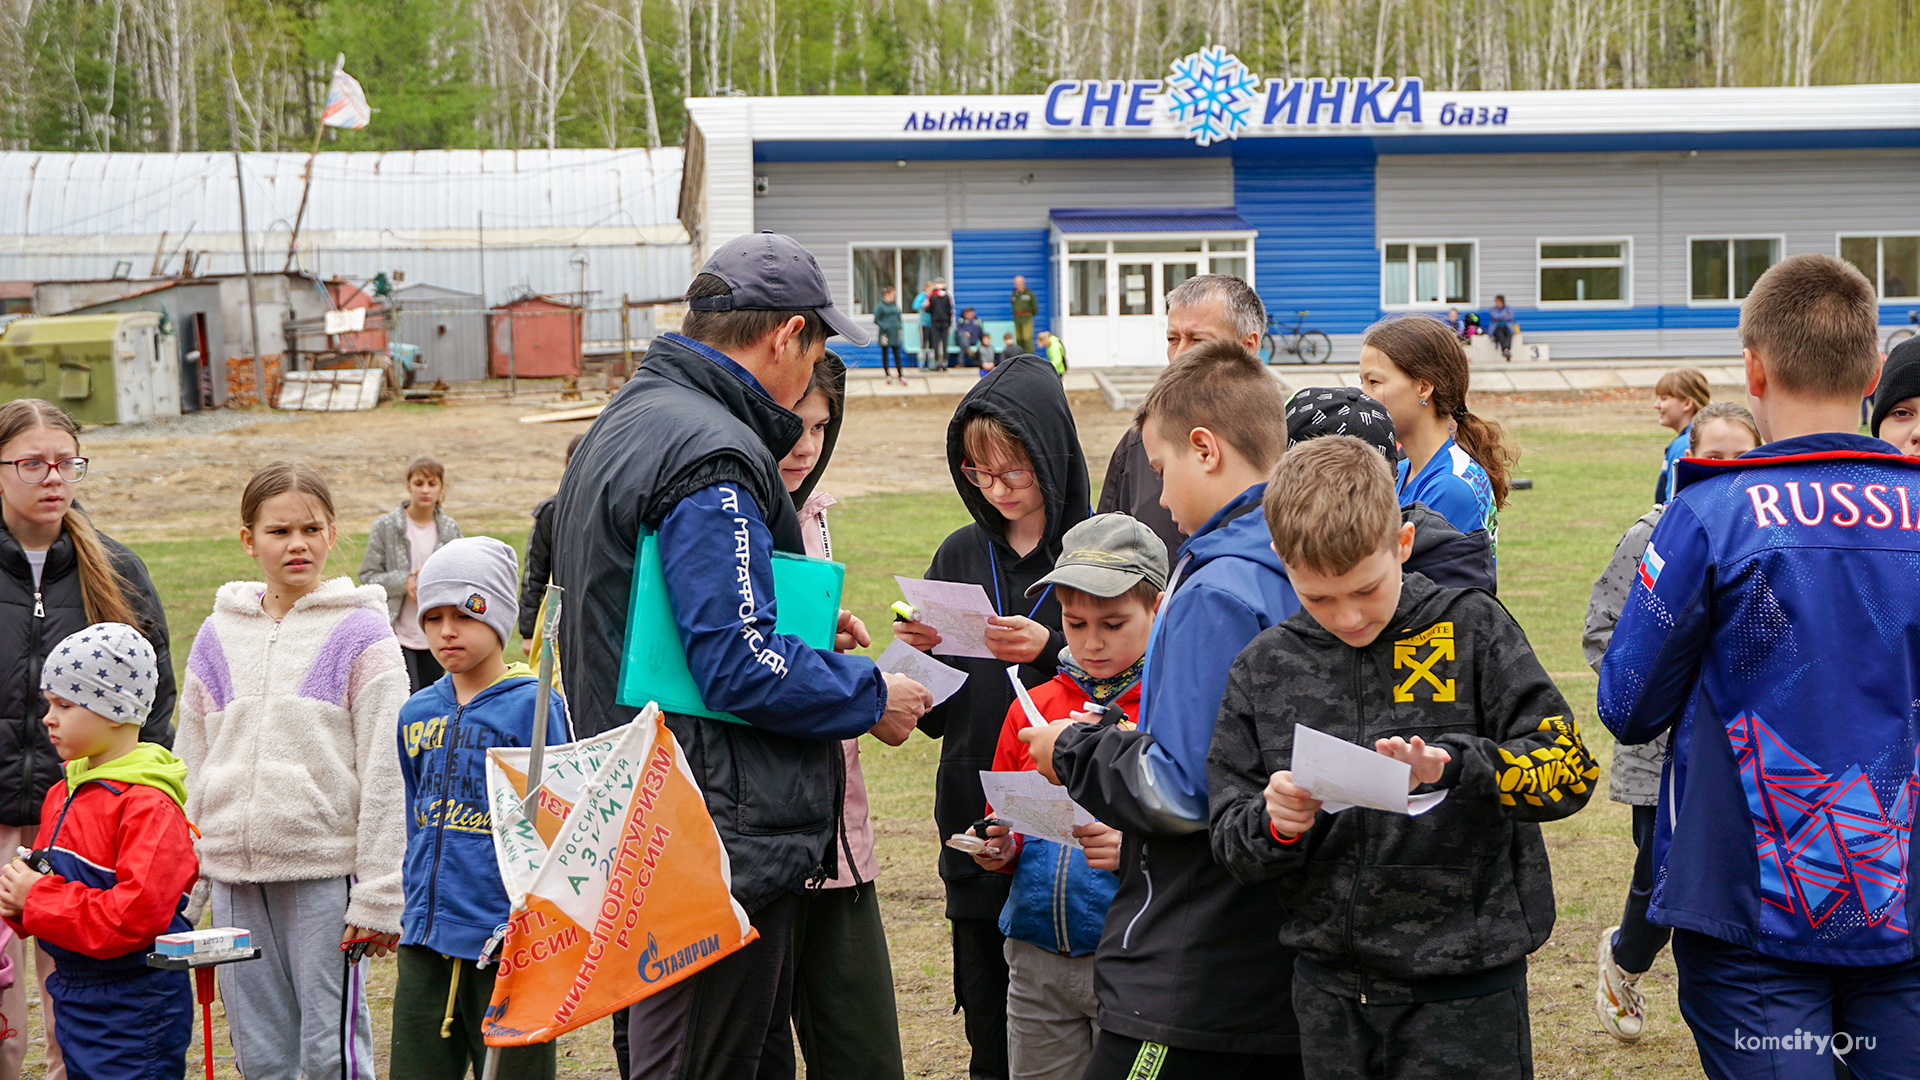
(139, 74)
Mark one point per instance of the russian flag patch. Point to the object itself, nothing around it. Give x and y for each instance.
(1650, 566)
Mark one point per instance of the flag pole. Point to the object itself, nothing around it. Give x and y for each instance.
(319, 129)
(549, 629)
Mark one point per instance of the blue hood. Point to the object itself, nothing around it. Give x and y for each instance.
(1238, 529)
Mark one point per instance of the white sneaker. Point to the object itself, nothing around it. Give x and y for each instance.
(1616, 997)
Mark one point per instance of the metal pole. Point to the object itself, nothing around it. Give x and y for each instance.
(293, 244)
(626, 343)
(511, 385)
(246, 256)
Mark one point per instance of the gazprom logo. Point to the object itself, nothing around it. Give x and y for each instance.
(653, 967)
(1215, 98)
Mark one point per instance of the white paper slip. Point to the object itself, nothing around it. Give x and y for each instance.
(940, 680)
(1343, 775)
(958, 609)
(1034, 807)
(1026, 699)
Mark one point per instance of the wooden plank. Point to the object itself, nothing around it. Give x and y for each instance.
(586, 413)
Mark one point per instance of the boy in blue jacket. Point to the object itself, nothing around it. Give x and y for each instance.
(1191, 978)
(454, 896)
(1772, 631)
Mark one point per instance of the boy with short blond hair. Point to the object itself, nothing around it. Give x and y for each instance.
(1191, 980)
(1770, 632)
(1413, 931)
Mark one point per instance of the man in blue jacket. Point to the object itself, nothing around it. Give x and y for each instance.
(1773, 630)
(690, 448)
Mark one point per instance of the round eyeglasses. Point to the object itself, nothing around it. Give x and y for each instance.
(1015, 479)
(34, 470)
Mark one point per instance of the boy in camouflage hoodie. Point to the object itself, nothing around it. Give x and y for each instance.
(1413, 931)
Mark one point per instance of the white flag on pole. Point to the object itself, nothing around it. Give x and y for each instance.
(346, 103)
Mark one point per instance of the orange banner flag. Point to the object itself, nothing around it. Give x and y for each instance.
(630, 895)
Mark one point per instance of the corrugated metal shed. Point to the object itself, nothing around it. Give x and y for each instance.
(429, 213)
(449, 326)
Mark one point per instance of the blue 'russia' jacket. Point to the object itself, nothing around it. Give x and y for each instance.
(1772, 628)
(451, 878)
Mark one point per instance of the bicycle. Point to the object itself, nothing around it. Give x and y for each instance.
(1903, 333)
(1311, 346)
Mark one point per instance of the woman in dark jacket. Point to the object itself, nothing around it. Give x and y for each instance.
(57, 575)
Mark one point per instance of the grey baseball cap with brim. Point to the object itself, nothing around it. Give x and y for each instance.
(1106, 555)
(771, 272)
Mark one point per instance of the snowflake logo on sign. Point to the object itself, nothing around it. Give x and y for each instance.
(1212, 94)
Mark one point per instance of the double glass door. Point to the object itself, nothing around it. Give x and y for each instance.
(1116, 290)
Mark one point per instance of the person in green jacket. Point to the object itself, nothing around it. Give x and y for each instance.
(1025, 307)
(1054, 351)
(886, 327)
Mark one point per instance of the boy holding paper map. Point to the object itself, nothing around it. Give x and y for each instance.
(1109, 581)
(1017, 463)
(1412, 931)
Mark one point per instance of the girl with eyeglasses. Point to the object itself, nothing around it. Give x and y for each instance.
(58, 575)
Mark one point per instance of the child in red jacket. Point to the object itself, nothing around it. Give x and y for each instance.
(1109, 579)
(112, 867)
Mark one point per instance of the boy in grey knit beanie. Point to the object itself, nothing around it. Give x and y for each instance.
(477, 574)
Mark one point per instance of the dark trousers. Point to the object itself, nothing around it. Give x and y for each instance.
(899, 364)
(1503, 337)
(422, 669)
(732, 1021)
(1482, 1038)
(939, 345)
(1758, 1016)
(980, 991)
(419, 1052)
(1116, 1057)
(130, 1026)
(1638, 941)
(843, 1008)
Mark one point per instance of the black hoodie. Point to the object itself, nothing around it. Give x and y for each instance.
(1024, 395)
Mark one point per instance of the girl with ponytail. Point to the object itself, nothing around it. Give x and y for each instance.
(1454, 462)
(58, 575)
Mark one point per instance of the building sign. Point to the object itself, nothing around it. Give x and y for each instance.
(1212, 97)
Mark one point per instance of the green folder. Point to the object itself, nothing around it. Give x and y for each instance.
(653, 665)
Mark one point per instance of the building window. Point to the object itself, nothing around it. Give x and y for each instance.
(1594, 272)
(1725, 269)
(1427, 273)
(1087, 286)
(1892, 263)
(907, 269)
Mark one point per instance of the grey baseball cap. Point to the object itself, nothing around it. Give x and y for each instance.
(1106, 555)
(771, 272)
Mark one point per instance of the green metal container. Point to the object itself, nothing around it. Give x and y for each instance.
(116, 368)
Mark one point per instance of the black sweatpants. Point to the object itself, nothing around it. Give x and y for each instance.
(1116, 1057)
(1472, 1038)
(732, 1021)
(844, 1015)
(980, 991)
(1638, 941)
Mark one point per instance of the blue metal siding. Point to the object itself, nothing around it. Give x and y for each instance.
(984, 262)
(1316, 245)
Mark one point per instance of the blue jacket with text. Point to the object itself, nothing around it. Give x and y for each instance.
(1773, 629)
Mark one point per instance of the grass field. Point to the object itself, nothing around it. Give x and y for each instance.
(1592, 472)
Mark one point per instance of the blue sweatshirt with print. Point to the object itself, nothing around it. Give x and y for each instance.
(451, 878)
(1772, 629)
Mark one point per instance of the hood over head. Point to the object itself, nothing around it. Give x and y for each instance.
(833, 433)
(1025, 396)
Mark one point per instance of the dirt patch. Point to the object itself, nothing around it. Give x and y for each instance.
(164, 484)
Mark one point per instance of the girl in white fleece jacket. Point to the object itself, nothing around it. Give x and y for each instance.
(286, 725)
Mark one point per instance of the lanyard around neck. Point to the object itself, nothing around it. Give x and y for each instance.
(993, 561)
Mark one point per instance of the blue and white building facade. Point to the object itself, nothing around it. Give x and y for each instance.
(1618, 223)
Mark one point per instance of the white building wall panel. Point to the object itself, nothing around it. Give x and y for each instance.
(829, 206)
